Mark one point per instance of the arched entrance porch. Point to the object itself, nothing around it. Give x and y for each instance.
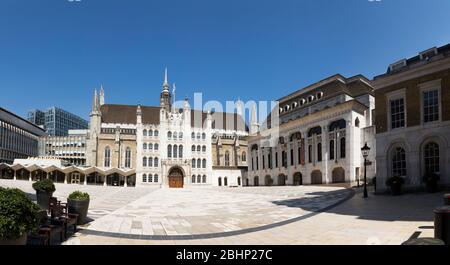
(176, 178)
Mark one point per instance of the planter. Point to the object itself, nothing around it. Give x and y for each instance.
(43, 199)
(15, 241)
(79, 207)
(396, 189)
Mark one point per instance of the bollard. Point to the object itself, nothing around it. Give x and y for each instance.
(447, 199)
(442, 223)
(424, 241)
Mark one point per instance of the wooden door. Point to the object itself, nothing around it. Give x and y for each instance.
(176, 182)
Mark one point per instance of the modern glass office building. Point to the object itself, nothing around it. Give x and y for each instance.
(56, 121)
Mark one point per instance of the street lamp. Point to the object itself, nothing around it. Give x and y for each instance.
(365, 153)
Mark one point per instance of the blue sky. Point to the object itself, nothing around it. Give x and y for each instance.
(55, 52)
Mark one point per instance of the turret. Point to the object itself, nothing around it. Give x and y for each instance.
(165, 99)
(254, 126)
(139, 114)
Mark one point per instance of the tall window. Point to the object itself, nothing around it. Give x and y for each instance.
(331, 149)
(244, 157)
(430, 106)
(399, 162)
(180, 151)
(199, 179)
(155, 178)
(431, 156)
(150, 132)
(156, 147)
(343, 147)
(156, 133)
(198, 136)
(269, 157)
(150, 146)
(144, 133)
(310, 153)
(204, 163)
(155, 162)
(292, 157)
(193, 148)
(284, 159)
(144, 161)
(175, 135)
(204, 179)
(193, 162)
(227, 158)
(169, 151)
(299, 153)
(193, 179)
(198, 148)
(203, 136)
(169, 135)
(193, 135)
(257, 162)
(276, 159)
(397, 113)
(144, 146)
(150, 178)
(107, 157)
(199, 163)
(127, 157)
(253, 166)
(263, 159)
(319, 152)
(144, 178)
(175, 151)
(150, 162)
(204, 148)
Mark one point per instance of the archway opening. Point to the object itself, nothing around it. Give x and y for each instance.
(176, 178)
(316, 177)
(338, 175)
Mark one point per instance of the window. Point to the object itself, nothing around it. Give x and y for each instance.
(107, 157)
(198, 148)
(284, 159)
(319, 152)
(150, 146)
(357, 122)
(397, 113)
(199, 163)
(257, 163)
(180, 135)
(204, 179)
(299, 153)
(175, 151)
(399, 162)
(150, 162)
(180, 151)
(430, 105)
(193, 163)
(193, 148)
(244, 157)
(127, 157)
(156, 133)
(144, 161)
(144, 146)
(198, 135)
(431, 156)
(175, 135)
(204, 148)
(253, 166)
(199, 179)
(144, 178)
(144, 133)
(292, 157)
(203, 136)
(155, 178)
(169, 135)
(193, 135)
(193, 179)
(169, 151)
(331, 149)
(276, 159)
(150, 178)
(156, 146)
(227, 158)
(264, 161)
(343, 147)
(150, 132)
(204, 163)
(319, 95)
(310, 153)
(155, 162)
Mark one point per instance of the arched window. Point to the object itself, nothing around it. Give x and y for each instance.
(175, 151)
(193, 179)
(227, 158)
(169, 151)
(319, 152)
(199, 179)
(399, 162)
(156, 133)
(204, 148)
(156, 147)
(204, 179)
(144, 146)
(204, 163)
(198, 135)
(144, 178)
(175, 135)
(225, 181)
(332, 150)
(107, 157)
(155, 178)
(150, 178)
(193, 162)
(169, 135)
(292, 157)
(193, 135)
(198, 148)
(284, 159)
(244, 157)
(203, 136)
(155, 162)
(150, 162)
(144, 133)
(193, 148)
(357, 122)
(144, 161)
(219, 181)
(310, 153)
(431, 156)
(127, 157)
(180, 151)
(150, 146)
(343, 147)
(150, 132)
(199, 163)
(180, 135)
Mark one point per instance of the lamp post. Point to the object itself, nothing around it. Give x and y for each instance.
(365, 153)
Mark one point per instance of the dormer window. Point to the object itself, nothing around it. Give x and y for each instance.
(426, 55)
(286, 108)
(319, 95)
(310, 98)
(294, 105)
(397, 66)
(281, 110)
(302, 102)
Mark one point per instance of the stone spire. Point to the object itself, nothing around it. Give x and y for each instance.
(102, 96)
(95, 103)
(165, 100)
(166, 82)
(253, 120)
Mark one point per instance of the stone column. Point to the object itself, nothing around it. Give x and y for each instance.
(65, 178)
(15, 174)
(104, 181)
(125, 182)
(85, 179)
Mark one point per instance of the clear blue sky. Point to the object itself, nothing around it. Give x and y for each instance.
(54, 52)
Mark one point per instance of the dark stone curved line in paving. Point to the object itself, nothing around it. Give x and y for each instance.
(219, 234)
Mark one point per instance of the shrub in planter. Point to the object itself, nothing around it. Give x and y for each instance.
(44, 191)
(18, 216)
(396, 184)
(78, 203)
(431, 182)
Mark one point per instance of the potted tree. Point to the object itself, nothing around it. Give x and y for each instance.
(395, 183)
(18, 216)
(431, 181)
(44, 191)
(78, 203)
